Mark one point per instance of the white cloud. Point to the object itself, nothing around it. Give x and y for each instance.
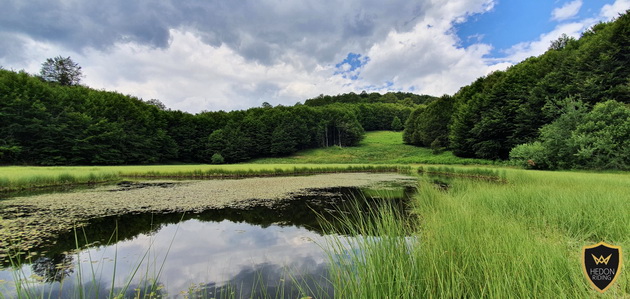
(567, 11)
(241, 62)
(427, 59)
(610, 11)
(193, 76)
(521, 51)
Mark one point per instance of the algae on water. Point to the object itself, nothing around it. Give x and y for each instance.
(27, 222)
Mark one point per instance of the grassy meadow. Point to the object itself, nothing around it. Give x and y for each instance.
(378, 147)
(520, 235)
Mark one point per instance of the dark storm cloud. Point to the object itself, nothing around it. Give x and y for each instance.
(80, 24)
(261, 31)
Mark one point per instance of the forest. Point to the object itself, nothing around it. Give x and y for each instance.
(565, 109)
(48, 123)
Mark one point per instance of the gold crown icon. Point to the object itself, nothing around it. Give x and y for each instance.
(601, 259)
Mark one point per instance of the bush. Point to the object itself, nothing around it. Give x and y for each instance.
(397, 124)
(529, 155)
(217, 159)
(598, 139)
(437, 146)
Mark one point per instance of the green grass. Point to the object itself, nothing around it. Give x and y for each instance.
(258, 170)
(14, 178)
(380, 147)
(480, 239)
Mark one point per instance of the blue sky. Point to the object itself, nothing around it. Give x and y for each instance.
(511, 22)
(213, 55)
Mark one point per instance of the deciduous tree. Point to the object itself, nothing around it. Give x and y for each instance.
(61, 70)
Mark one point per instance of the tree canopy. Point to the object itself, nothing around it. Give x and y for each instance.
(61, 70)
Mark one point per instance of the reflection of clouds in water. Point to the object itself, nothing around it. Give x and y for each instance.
(245, 246)
(91, 289)
(208, 252)
(303, 278)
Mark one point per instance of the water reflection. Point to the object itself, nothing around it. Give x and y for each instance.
(54, 268)
(264, 250)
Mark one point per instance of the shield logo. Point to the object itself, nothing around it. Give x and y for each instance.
(602, 264)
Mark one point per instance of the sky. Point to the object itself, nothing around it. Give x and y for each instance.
(210, 55)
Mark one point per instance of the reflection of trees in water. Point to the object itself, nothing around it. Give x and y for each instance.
(55, 268)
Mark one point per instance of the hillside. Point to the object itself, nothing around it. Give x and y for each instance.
(544, 105)
(378, 147)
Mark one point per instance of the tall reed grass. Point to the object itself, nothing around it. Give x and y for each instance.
(378, 256)
(479, 239)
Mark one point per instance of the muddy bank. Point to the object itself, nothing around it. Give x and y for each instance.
(26, 222)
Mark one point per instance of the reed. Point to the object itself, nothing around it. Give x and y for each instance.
(479, 239)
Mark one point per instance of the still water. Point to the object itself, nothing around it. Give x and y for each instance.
(262, 251)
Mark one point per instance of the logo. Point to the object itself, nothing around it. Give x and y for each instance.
(602, 264)
(601, 259)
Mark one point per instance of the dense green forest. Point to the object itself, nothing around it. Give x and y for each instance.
(567, 108)
(48, 123)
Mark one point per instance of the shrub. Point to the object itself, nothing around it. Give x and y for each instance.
(598, 139)
(529, 155)
(397, 125)
(217, 159)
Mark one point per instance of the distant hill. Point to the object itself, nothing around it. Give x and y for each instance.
(403, 98)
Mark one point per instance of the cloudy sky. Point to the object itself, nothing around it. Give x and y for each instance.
(196, 55)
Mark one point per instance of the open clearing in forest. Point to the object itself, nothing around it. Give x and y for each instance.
(378, 147)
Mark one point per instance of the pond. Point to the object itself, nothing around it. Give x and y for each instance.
(263, 249)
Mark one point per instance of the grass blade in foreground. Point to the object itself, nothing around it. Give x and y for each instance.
(378, 258)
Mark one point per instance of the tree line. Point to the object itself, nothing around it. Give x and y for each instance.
(49, 122)
(567, 108)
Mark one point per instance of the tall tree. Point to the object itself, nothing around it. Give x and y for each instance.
(433, 123)
(61, 70)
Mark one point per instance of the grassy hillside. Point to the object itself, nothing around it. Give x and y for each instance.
(379, 147)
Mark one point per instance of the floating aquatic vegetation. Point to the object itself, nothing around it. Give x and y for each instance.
(26, 222)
